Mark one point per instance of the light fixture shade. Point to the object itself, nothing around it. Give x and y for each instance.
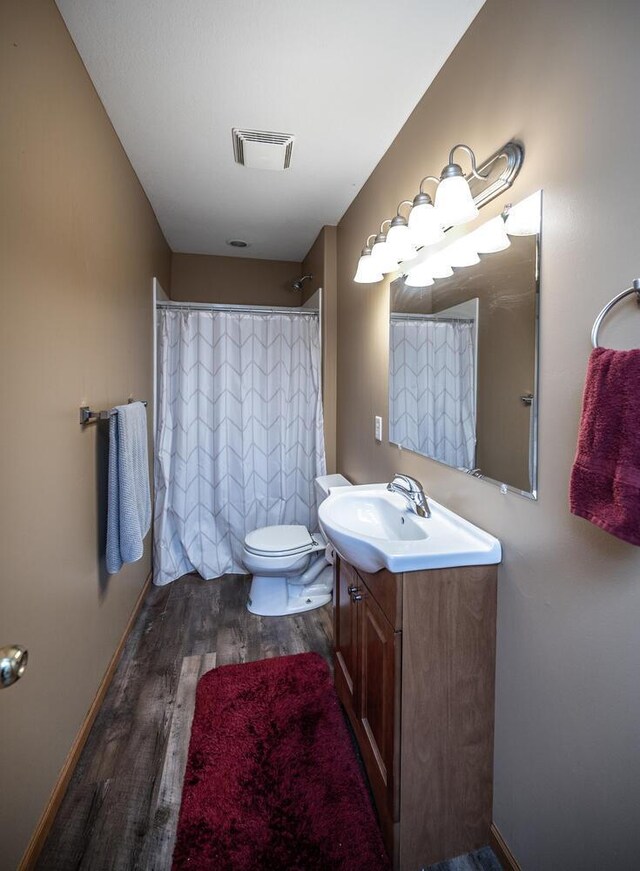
(490, 237)
(461, 253)
(437, 266)
(399, 240)
(418, 277)
(454, 202)
(383, 257)
(425, 225)
(524, 218)
(367, 273)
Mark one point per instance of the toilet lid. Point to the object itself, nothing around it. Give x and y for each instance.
(279, 540)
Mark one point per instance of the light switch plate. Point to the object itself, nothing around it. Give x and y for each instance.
(378, 428)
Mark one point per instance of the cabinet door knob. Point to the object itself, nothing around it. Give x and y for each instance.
(356, 596)
(351, 589)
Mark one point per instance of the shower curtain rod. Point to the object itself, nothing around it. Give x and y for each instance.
(410, 316)
(222, 307)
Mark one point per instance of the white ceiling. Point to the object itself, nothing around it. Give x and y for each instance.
(342, 75)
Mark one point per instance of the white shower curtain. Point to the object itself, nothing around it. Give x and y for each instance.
(239, 434)
(432, 389)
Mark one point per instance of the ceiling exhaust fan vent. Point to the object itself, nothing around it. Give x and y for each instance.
(262, 149)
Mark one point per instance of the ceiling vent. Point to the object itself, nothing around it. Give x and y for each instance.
(262, 149)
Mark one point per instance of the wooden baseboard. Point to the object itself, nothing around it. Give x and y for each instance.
(502, 851)
(41, 831)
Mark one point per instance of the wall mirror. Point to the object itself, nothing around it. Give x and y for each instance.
(463, 351)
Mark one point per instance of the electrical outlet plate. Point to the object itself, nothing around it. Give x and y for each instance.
(378, 428)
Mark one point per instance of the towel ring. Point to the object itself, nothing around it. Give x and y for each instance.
(635, 288)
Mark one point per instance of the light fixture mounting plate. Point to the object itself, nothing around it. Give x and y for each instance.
(500, 170)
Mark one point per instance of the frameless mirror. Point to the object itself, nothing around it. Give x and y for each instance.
(463, 352)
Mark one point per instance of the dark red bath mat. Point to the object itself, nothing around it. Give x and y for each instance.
(272, 781)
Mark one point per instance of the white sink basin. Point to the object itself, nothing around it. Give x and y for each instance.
(372, 528)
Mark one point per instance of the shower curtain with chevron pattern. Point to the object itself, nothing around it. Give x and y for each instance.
(239, 436)
(432, 408)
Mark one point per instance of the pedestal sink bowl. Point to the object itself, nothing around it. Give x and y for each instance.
(372, 529)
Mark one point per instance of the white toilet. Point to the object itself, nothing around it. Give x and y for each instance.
(291, 572)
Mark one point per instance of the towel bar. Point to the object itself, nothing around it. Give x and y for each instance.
(89, 416)
(635, 288)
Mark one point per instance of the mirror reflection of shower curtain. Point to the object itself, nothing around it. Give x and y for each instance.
(432, 389)
(240, 434)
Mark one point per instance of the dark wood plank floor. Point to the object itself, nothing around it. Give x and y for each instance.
(120, 809)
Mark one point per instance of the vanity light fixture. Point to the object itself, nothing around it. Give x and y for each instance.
(381, 254)
(399, 237)
(425, 225)
(437, 267)
(367, 272)
(462, 252)
(419, 277)
(457, 200)
(523, 219)
(454, 201)
(490, 237)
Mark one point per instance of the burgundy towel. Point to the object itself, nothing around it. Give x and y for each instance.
(605, 479)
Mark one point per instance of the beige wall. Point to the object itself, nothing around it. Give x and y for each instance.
(563, 78)
(507, 364)
(79, 245)
(235, 280)
(321, 263)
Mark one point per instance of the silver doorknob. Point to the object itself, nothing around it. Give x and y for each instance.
(13, 661)
(351, 589)
(356, 596)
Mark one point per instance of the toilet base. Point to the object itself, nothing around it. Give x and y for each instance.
(277, 597)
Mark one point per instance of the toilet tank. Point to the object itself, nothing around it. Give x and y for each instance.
(326, 482)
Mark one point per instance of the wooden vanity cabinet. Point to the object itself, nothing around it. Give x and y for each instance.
(414, 668)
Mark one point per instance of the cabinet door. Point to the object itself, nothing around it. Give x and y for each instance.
(379, 688)
(345, 630)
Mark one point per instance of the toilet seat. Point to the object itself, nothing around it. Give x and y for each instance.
(291, 565)
(274, 541)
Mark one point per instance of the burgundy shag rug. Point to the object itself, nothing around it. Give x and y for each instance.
(272, 780)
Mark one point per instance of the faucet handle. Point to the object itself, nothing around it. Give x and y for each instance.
(411, 484)
(413, 491)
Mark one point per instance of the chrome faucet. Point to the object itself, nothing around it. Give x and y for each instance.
(412, 491)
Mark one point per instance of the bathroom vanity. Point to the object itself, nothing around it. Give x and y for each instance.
(414, 668)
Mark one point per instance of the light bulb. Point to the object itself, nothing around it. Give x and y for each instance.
(490, 237)
(524, 218)
(418, 277)
(367, 273)
(382, 256)
(399, 239)
(424, 222)
(461, 253)
(454, 202)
